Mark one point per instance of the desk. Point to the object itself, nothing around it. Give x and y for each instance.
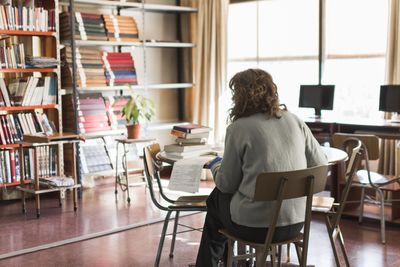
(324, 128)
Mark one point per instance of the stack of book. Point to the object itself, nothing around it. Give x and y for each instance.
(191, 141)
(10, 166)
(121, 28)
(28, 91)
(25, 18)
(14, 126)
(40, 62)
(90, 72)
(119, 68)
(114, 106)
(87, 27)
(91, 110)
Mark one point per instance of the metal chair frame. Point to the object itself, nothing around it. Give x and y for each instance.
(186, 203)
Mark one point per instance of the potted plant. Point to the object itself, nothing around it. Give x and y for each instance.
(137, 109)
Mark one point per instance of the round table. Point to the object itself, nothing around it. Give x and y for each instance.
(337, 160)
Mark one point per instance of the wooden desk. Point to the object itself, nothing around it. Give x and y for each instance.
(326, 127)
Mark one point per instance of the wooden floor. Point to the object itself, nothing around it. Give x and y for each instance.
(100, 211)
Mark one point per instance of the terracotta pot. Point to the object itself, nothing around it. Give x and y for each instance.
(133, 131)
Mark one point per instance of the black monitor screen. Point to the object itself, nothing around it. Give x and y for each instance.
(317, 96)
(389, 98)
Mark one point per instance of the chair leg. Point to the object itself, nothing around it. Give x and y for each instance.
(229, 260)
(298, 251)
(279, 255)
(341, 242)
(162, 238)
(260, 258)
(361, 215)
(331, 233)
(382, 198)
(273, 256)
(171, 252)
(288, 252)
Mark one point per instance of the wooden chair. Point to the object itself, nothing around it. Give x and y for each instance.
(278, 186)
(333, 211)
(366, 178)
(186, 203)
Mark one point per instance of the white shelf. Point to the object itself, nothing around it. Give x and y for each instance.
(133, 87)
(149, 44)
(133, 5)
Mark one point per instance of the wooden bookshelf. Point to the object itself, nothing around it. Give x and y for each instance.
(26, 33)
(29, 70)
(21, 108)
(45, 88)
(15, 183)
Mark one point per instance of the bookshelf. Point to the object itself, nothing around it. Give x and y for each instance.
(139, 48)
(29, 90)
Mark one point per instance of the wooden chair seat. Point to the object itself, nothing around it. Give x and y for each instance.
(189, 202)
(226, 233)
(376, 178)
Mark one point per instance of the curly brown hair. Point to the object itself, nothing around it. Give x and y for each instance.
(254, 91)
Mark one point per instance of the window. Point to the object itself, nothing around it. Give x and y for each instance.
(282, 37)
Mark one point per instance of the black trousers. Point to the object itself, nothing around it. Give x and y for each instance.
(213, 245)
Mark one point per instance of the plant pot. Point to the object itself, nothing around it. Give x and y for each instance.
(133, 131)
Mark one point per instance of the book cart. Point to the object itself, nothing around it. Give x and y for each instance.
(46, 172)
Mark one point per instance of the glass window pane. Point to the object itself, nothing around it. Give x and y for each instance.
(356, 26)
(288, 76)
(242, 30)
(288, 27)
(357, 86)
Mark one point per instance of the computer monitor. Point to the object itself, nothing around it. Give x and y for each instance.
(317, 96)
(389, 98)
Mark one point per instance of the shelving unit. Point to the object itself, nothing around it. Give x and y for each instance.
(116, 7)
(47, 44)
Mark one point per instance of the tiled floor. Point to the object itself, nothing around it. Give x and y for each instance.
(99, 211)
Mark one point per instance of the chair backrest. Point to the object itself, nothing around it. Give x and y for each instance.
(371, 143)
(151, 169)
(277, 186)
(297, 183)
(355, 146)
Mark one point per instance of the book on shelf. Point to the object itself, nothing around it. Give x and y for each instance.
(10, 165)
(87, 26)
(25, 18)
(121, 28)
(192, 128)
(184, 135)
(119, 68)
(91, 110)
(28, 91)
(14, 126)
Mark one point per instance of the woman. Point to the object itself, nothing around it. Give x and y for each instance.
(262, 137)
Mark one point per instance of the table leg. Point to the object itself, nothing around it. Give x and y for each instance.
(338, 172)
(126, 172)
(37, 186)
(74, 175)
(116, 170)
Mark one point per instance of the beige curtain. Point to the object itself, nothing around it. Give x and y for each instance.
(389, 160)
(210, 62)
